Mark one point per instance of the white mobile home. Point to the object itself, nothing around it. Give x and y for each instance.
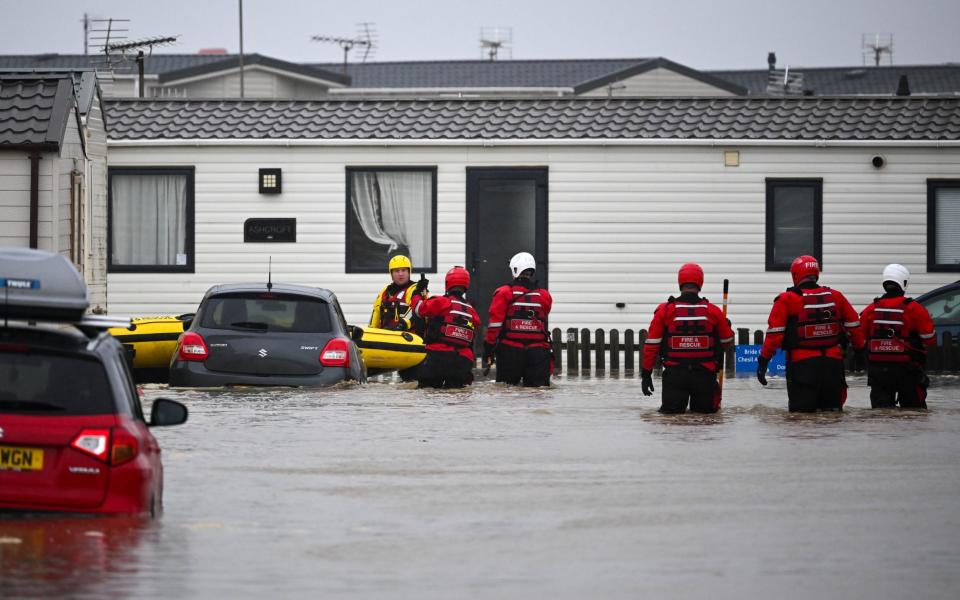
(611, 196)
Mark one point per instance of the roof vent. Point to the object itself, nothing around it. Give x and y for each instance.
(903, 86)
(854, 73)
(212, 51)
(784, 82)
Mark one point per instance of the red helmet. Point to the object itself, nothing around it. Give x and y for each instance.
(690, 273)
(803, 267)
(457, 277)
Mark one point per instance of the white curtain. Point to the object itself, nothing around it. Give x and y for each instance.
(149, 219)
(394, 209)
(948, 226)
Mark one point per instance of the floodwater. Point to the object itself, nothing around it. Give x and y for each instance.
(578, 491)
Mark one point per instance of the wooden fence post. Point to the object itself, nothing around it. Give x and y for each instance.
(585, 350)
(758, 337)
(572, 351)
(599, 350)
(628, 350)
(947, 353)
(556, 342)
(743, 336)
(614, 351)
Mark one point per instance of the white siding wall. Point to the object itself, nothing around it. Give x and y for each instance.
(14, 199)
(256, 84)
(622, 219)
(95, 208)
(658, 82)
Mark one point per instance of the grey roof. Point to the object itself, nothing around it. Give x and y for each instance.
(832, 81)
(569, 118)
(481, 73)
(233, 62)
(84, 83)
(34, 110)
(154, 64)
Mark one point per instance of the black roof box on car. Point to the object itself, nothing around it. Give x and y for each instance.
(40, 285)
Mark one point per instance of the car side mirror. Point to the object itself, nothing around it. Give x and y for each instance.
(356, 333)
(187, 319)
(167, 412)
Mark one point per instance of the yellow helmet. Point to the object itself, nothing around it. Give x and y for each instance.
(400, 262)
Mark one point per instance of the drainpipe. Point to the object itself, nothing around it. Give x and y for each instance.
(34, 198)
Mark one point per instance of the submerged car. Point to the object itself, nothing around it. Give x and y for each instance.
(266, 334)
(943, 304)
(73, 437)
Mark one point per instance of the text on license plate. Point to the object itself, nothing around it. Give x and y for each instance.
(24, 459)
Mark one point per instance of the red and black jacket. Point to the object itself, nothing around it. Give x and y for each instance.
(897, 329)
(811, 320)
(687, 331)
(519, 315)
(452, 324)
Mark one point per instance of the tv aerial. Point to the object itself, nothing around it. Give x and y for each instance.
(366, 39)
(148, 44)
(493, 40)
(875, 45)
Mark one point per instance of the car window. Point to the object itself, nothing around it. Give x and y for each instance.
(944, 308)
(340, 317)
(53, 384)
(267, 311)
(128, 401)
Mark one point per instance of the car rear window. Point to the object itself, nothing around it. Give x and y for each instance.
(53, 384)
(267, 311)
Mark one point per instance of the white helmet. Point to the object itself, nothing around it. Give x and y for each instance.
(521, 262)
(897, 274)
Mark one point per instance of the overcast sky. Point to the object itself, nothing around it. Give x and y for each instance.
(704, 34)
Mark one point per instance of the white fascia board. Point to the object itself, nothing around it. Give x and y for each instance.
(452, 91)
(247, 69)
(538, 142)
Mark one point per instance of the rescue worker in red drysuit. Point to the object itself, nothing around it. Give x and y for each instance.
(811, 322)
(451, 328)
(690, 334)
(896, 329)
(517, 337)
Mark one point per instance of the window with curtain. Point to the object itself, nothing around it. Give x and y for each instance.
(794, 221)
(151, 219)
(391, 211)
(943, 225)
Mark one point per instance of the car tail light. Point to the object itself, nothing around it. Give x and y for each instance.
(123, 446)
(94, 442)
(336, 353)
(13, 347)
(192, 347)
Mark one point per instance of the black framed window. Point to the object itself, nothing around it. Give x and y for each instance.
(150, 219)
(391, 210)
(794, 221)
(943, 225)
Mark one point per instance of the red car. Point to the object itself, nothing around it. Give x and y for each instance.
(73, 437)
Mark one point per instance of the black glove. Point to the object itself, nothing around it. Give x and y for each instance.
(646, 382)
(488, 354)
(762, 370)
(421, 287)
(859, 360)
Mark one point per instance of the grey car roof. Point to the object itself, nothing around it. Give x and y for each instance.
(278, 288)
(754, 118)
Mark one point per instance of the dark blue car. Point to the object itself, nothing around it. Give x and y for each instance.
(943, 304)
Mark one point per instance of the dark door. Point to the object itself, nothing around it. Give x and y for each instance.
(506, 214)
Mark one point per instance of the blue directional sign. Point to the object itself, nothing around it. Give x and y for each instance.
(748, 355)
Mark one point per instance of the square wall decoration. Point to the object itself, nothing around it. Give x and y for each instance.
(269, 181)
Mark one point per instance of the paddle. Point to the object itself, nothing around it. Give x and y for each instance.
(720, 373)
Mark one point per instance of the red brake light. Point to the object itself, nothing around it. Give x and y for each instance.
(93, 442)
(336, 353)
(191, 347)
(123, 447)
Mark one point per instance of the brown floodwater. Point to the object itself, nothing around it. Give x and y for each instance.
(578, 491)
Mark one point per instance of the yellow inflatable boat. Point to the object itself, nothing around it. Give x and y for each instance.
(386, 350)
(153, 340)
